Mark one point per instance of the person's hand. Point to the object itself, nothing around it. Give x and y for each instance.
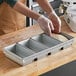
(55, 21)
(45, 24)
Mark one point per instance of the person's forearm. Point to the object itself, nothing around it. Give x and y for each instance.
(25, 10)
(45, 6)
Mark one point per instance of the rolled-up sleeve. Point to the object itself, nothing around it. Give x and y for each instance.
(11, 2)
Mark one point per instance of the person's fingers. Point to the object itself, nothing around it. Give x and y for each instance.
(56, 23)
(59, 24)
(51, 26)
(46, 32)
(57, 27)
(49, 29)
(46, 25)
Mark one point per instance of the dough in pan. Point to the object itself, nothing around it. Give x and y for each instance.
(59, 37)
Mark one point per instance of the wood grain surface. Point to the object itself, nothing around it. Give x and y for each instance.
(10, 68)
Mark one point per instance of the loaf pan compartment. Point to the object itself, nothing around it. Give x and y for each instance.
(19, 50)
(46, 40)
(33, 45)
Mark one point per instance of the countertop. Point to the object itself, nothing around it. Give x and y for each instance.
(10, 68)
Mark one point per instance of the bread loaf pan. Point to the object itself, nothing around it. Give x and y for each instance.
(35, 48)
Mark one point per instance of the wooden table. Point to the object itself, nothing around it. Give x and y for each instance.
(10, 68)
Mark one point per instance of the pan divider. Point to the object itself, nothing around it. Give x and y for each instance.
(22, 51)
(33, 45)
